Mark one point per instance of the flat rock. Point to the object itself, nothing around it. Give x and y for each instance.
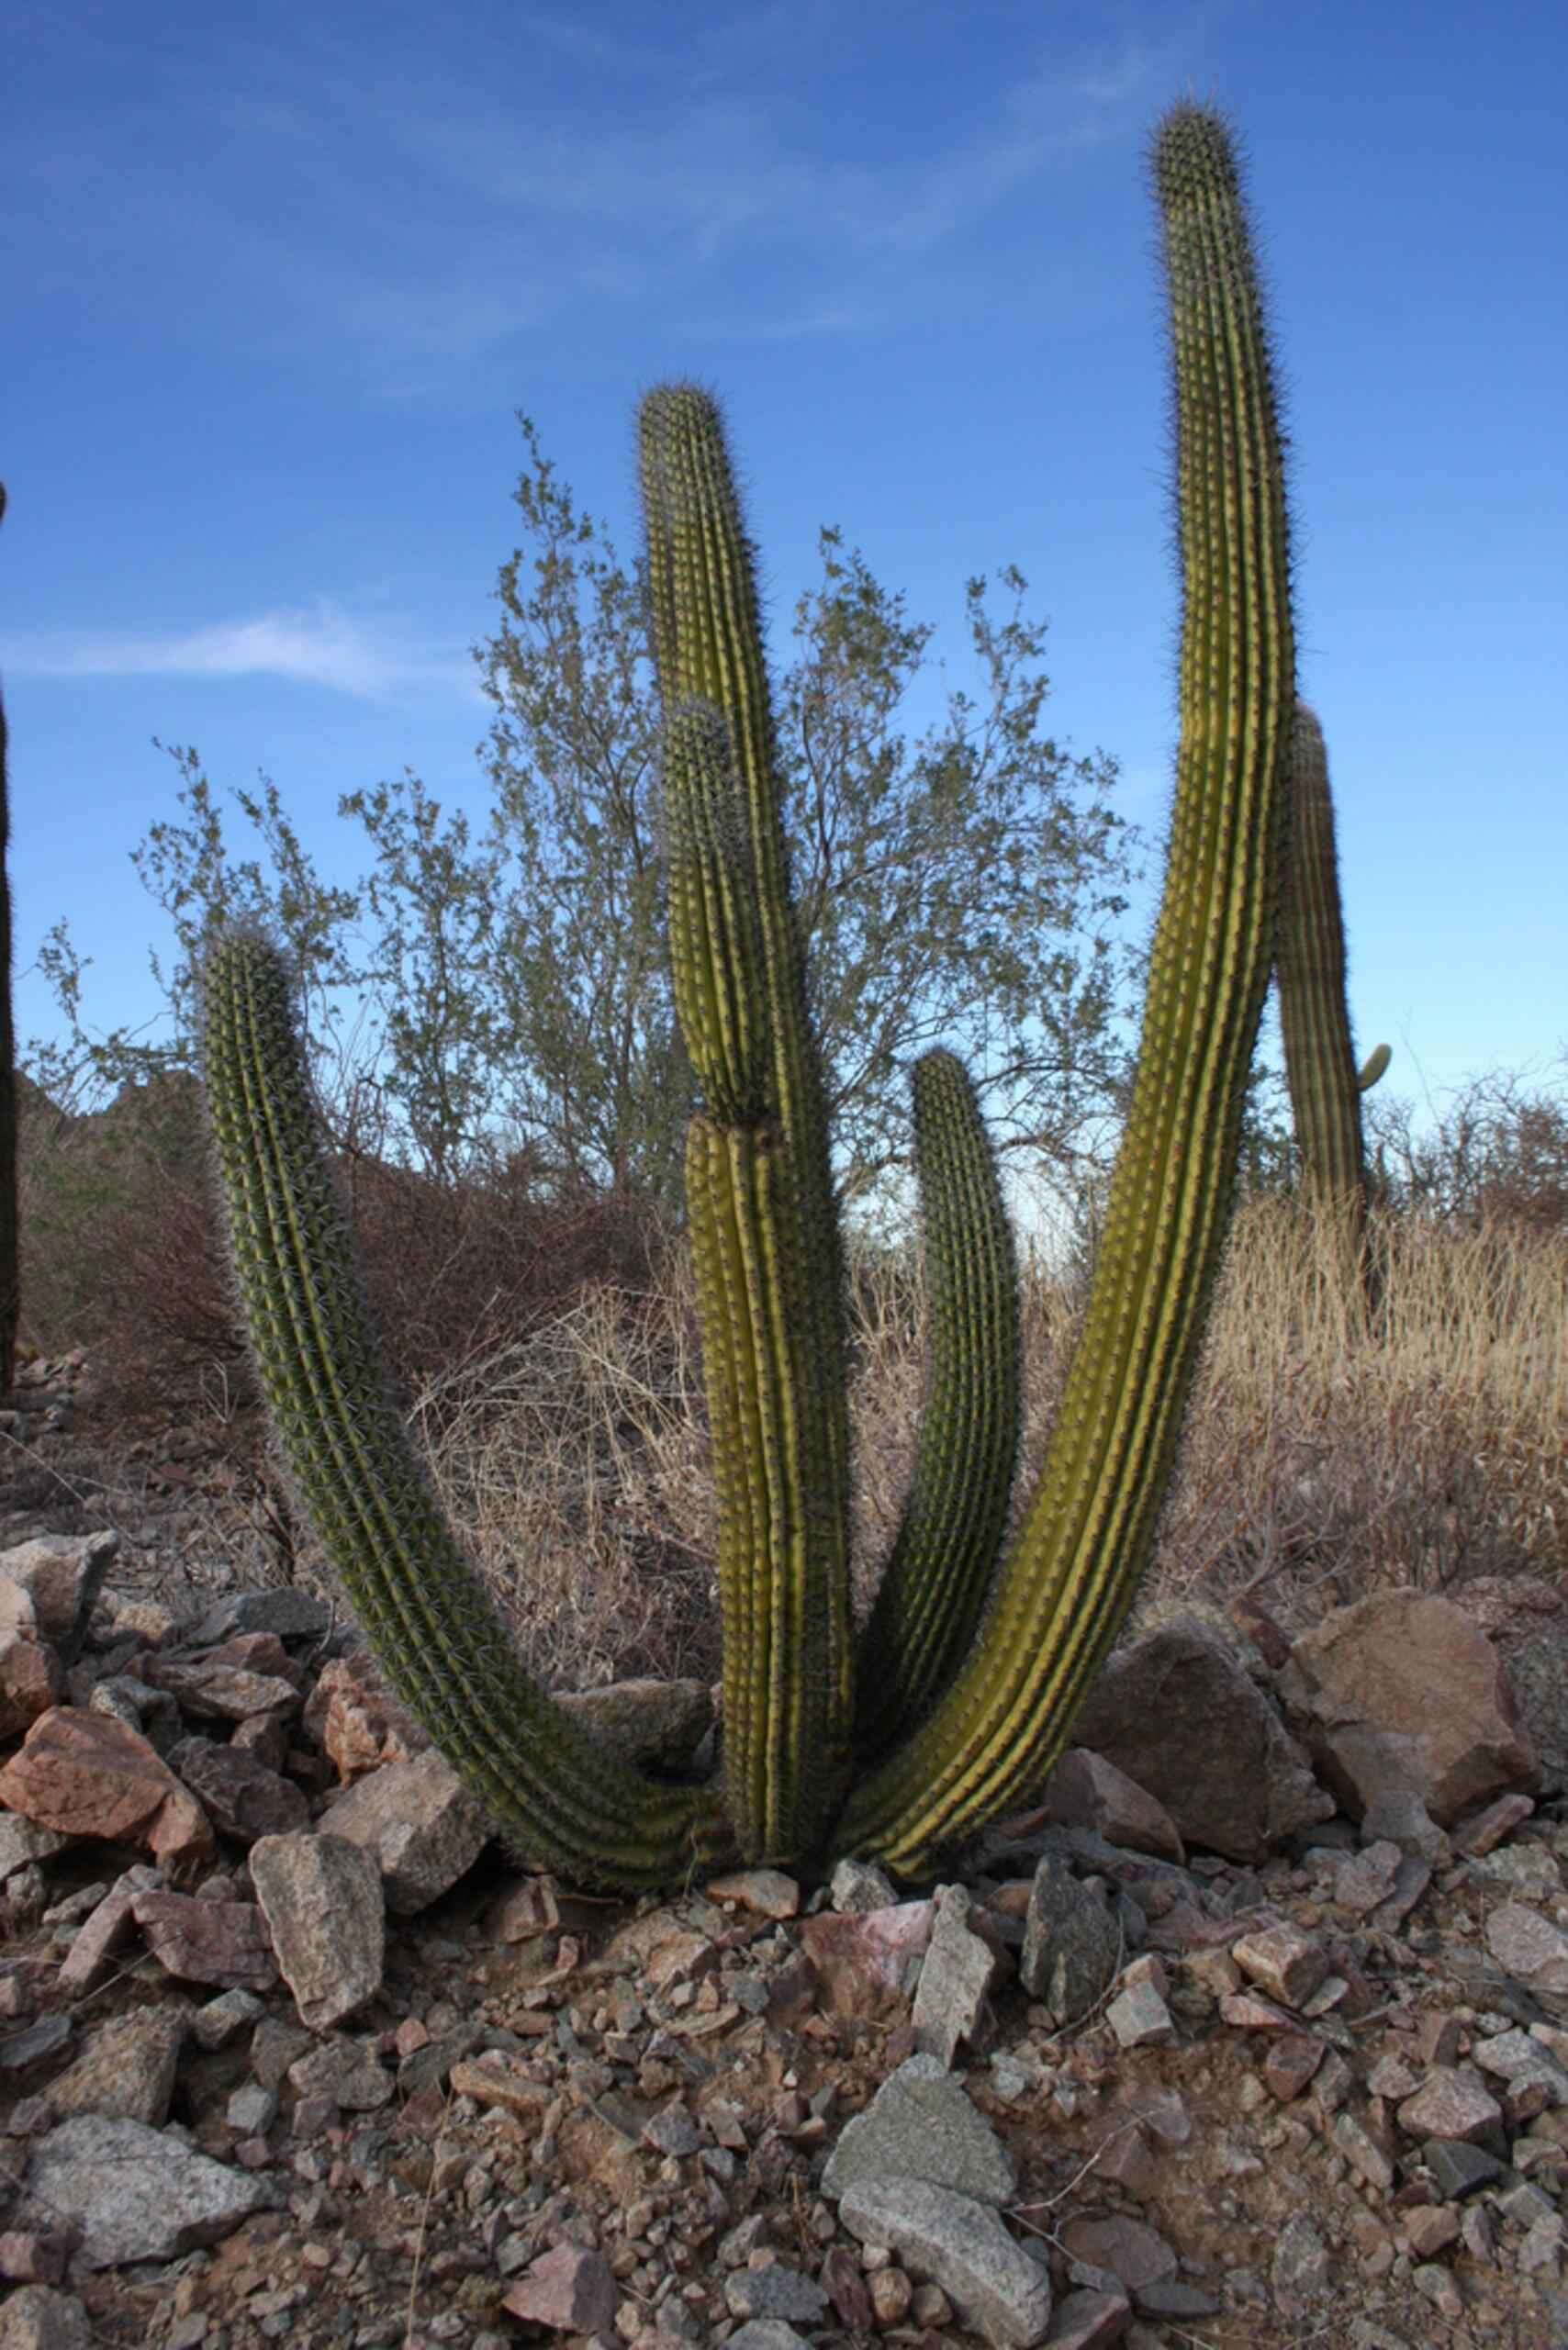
(90, 1775)
(921, 2124)
(994, 2285)
(137, 2193)
(1402, 1692)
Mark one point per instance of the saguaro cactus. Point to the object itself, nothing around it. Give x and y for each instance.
(954, 1703)
(1325, 1087)
(10, 1277)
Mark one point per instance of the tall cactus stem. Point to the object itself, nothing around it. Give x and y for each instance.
(1070, 1574)
(1326, 1086)
(707, 642)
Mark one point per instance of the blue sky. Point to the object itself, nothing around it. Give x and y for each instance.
(279, 281)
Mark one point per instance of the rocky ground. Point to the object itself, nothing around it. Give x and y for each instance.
(1253, 2032)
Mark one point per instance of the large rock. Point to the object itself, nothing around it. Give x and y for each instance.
(1526, 1619)
(1177, 1712)
(321, 1898)
(1086, 1790)
(1403, 1695)
(62, 1574)
(424, 1827)
(989, 2277)
(90, 1775)
(137, 2193)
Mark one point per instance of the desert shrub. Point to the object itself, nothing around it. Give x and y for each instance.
(1498, 1152)
(123, 1255)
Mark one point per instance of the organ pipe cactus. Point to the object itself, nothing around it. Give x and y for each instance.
(10, 1281)
(1325, 1087)
(961, 1692)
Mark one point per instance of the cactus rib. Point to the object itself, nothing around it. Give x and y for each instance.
(1315, 1023)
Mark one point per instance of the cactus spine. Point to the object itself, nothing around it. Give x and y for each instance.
(10, 1278)
(971, 1707)
(1325, 1087)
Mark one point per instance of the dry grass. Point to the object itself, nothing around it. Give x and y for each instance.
(553, 1361)
(1321, 1461)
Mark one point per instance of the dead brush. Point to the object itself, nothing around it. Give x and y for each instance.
(1325, 1457)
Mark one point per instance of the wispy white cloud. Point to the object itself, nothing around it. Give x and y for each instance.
(316, 646)
(421, 199)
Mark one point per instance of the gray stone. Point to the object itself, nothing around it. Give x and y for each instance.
(994, 2285)
(921, 2125)
(63, 1574)
(137, 2193)
(215, 2025)
(856, 1886)
(321, 1898)
(424, 1827)
(1529, 1946)
(252, 2110)
(776, 2293)
(1302, 2271)
(1523, 2063)
(239, 1795)
(957, 1976)
(36, 2317)
(1072, 1944)
(126, 2070)
(292, 1614)
(24, 1843)
(1458, 2168)
(47, 2037)
(347, 2071)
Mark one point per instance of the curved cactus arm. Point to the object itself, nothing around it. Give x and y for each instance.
(1071, 1572)
(1315, 1021)
(554, 1795)
(955, 1518)
(1374, 1067)
(707, 645)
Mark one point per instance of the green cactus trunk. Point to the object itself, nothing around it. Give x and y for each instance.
(1070, 1577)
(963, 1703)
(779, 1411)
(10, 1273)
(1326, 1086)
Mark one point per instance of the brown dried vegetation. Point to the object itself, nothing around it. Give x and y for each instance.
(549, 1358)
